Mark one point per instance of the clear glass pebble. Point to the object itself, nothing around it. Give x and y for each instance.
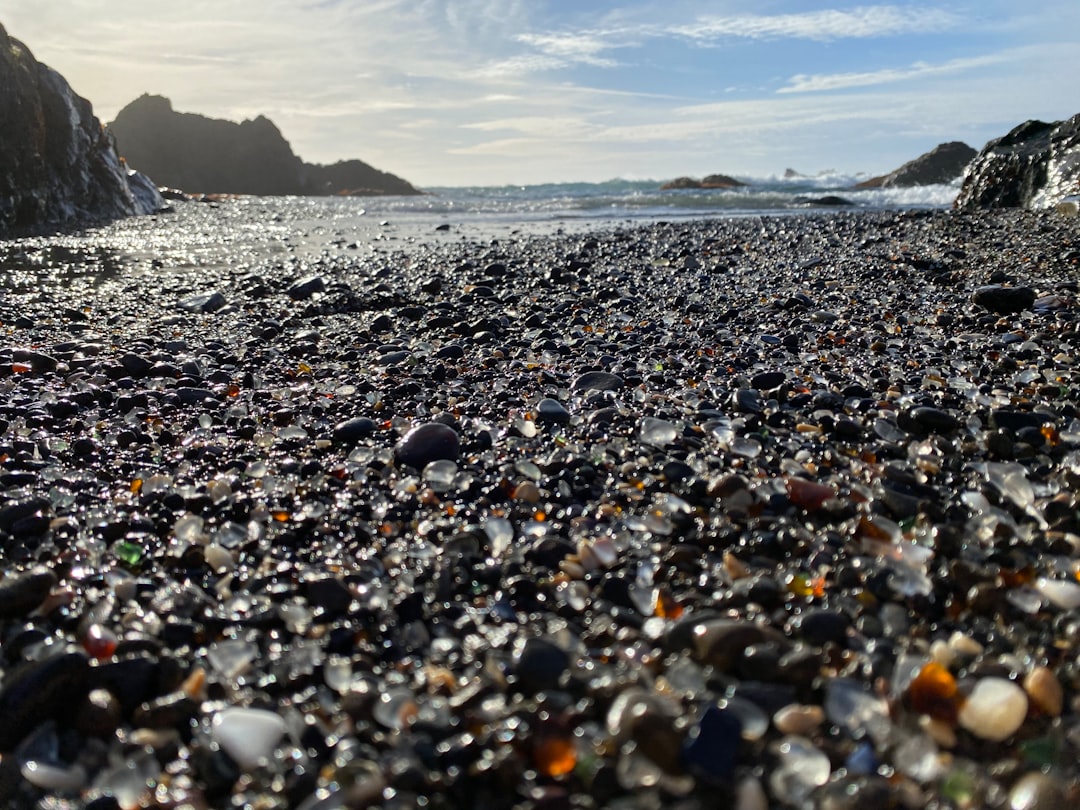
(801, 768)
(231, 657)
(657, 432)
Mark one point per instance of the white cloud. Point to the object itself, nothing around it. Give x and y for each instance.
(856, 23)
(817, 83)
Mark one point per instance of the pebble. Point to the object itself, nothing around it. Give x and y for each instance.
(551, 411)
(1004, 300)
(1045, 691)
(597, 381)
(995, 709)
(21, 594)
(799, 719)
(431, 441)
(1037, 791)
(1063, 594)
(351, 432)
(249, 736)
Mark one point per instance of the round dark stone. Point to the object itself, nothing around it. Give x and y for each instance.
(431, 441)
(551, 411)
(1004, 300)
(597, 381)
(819, 626)
(539, 665)
(352, 431)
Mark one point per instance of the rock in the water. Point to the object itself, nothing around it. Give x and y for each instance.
(1004, 300)
(1033, 166)
(995, 709)
(431, 441)
(942, 164)
(57, 163)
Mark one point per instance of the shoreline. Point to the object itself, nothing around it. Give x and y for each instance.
(781, 510)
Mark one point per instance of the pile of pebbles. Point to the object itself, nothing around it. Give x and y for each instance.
(746, 513)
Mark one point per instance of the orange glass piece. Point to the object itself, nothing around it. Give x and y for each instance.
(933, 692)
(808, 494)
(554, 755)
(666, 606)
(136, 485)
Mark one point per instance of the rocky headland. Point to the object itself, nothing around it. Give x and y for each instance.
(1035, 165)
(207, 155)
(58, 166)
(942, 164)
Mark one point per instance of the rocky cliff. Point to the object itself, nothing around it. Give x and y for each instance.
(208, 155)
(57, 164)
(1033, 166)
(942, 164)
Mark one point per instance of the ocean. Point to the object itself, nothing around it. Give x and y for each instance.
(217, 234)
(636, 200)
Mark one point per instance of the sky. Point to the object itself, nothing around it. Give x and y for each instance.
(514, 92)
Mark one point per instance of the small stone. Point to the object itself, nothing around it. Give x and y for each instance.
(597, 381)
(1004, 300)
(712, 748)
(539, 665)
(352, 431)
(927, 420)
(767, 380)
(1061, 593)
(203, 303)
(247, 735)
(307, 287)
(21, 594)
(1045, 692)
(860, 712)
(819, 626)
(994, 710)
(431, 441)
(799, 719)
(801, 768)
(552, 412)
(657, 432)
(1037, 791)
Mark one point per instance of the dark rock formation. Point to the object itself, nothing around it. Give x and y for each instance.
(57, 164)
(942, 164)
(710, 181)
(208, 155)
(1034, 166)
(829, 201)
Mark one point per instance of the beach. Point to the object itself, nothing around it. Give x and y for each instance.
(753, 512)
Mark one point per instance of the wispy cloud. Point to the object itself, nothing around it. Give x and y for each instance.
(822, 82)
(555, 50)
(856, 23)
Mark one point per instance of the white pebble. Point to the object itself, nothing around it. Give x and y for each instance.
(1059, 592)
(995, 709)
(247, 735)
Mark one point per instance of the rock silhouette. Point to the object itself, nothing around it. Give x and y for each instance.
(210, 155)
